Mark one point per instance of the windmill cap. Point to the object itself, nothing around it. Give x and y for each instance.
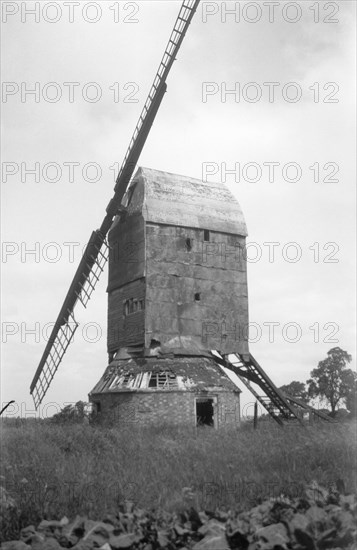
(174, 199)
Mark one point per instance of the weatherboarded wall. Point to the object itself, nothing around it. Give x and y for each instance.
(196, 286)
(125, 330)
(176, 407)
(127, 250)
(126, 272)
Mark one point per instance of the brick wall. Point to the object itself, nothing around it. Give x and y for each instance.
(176, 407)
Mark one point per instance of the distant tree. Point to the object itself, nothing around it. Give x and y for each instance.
(71, 414)
(296, 389)
(332, 380)
(351, 399)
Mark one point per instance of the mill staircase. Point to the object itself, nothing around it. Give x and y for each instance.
(281, 407)
(315, 413)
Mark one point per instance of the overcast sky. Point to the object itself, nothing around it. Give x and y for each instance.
(305, 122)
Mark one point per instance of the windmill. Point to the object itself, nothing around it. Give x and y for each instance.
(168, 322)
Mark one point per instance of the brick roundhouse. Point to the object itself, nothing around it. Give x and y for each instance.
(177, 290)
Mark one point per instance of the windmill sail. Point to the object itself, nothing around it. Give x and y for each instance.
(95, 255)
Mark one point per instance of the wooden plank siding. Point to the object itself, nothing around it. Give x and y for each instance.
(203, 297)
(125, 330)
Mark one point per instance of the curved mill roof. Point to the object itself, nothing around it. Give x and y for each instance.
(166, 374)
(183, 201)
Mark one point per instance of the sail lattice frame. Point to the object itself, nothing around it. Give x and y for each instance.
(59, 345)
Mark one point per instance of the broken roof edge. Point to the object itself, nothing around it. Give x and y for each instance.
(193, 389)
(201, 374)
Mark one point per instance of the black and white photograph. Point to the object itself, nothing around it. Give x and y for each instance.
(178, 275)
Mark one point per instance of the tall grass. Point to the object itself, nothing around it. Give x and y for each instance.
(51, 471)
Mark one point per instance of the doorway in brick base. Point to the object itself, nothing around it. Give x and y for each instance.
(205, 411)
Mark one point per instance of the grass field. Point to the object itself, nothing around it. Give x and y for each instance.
(54, 470)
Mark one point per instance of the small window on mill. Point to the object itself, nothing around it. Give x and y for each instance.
(197, 296)
(122, 381)
(163, 380)
(133, 305)
(127, 378)
(205, 235)
(188, 244)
